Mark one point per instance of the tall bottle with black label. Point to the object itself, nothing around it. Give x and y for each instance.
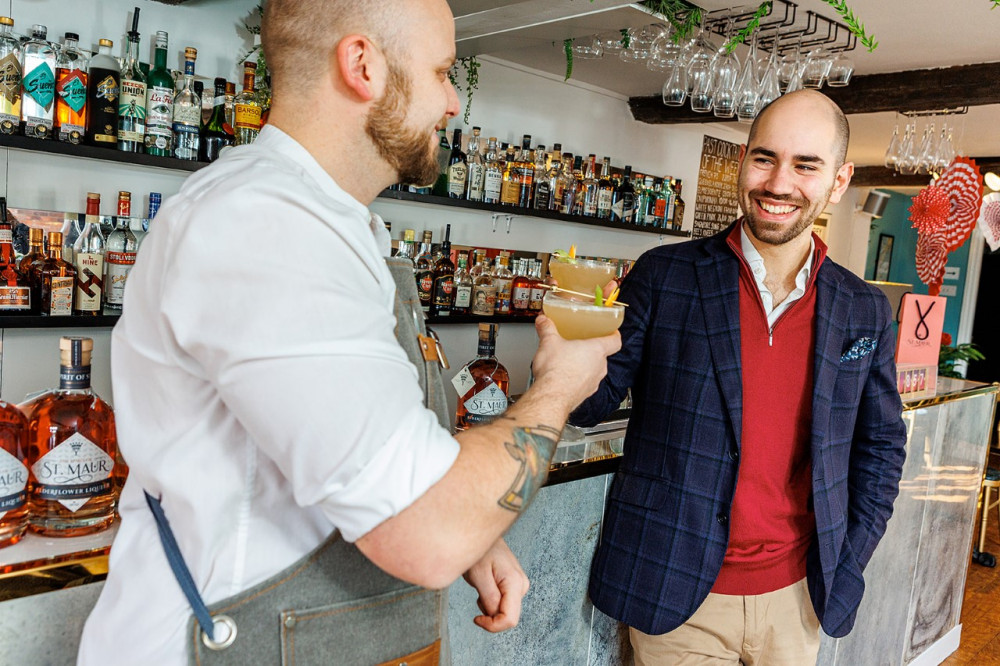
(10, 78)
(160, 102)
(424, 273)
(88, 259)
(14, 486)
(71, 91)
(623, 202)
(444, 279)
(458, 168)
(38, 85)
(103, 87)
(482, 384)
(132, 102)
(72, 451)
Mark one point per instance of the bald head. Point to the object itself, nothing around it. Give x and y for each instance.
(818, 106)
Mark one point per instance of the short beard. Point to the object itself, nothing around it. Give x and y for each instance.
(778, 235)
(407, 151)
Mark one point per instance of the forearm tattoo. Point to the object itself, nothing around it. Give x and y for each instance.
(533, 448)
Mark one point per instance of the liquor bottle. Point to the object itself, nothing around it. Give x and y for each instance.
(38, 85)
(510, 190)
(521, 289)
(477, 168)
(463, 286)
(246, 108)
(120, 255)
(659, 204)
(88, 259)
(573, 196)
(590, 188)
(502, 280)
(132, 101)
(458, 168)
(423, 271)
(72, 449)
(537, 287)
(160, 102)
(15, 292)
(53, 280)
(542, 184)
(493, 176)
(671, 202)
(555, 180)
(677, 221)
(103, 85)
(482, 384)
(605, 191)
(623, 202)
(643, 186)
(10, 78)
(484, 290)
(231, 105)
(36, 250)
(526, 174)
(406, 247)
(440, 188)
(71, 91)
(217, 134)
(566, 187)
(14, 486)
(444, 279)
(187, 112)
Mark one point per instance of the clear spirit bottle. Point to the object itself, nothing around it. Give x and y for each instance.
(38, 85)
(13, 474)
(477, 168)
(502, 281)
(247, 108)
(484, 290)
(119, 258)
(159, 102)
(71, 91)
(187, 112)
(88, 259)
(493, 174)
(103, 88)
(463, 286)
(10, 78)
(132, 103)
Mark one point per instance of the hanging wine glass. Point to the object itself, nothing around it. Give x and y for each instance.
(841, 70)
(770, 90)
(611, 42)
(727, 72)
(892, 152)
(675, 88)
(926, 157)
(702, 81)
(817, 68)
(661, 51)
(588, 48)
(907, 163)
(748, 86)
(946, 150)
(790, 72)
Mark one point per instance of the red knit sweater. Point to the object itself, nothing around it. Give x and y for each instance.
(772, 522)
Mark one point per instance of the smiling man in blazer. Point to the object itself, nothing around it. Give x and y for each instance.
(766, 441)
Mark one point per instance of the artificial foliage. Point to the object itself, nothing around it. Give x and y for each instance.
(471, 67)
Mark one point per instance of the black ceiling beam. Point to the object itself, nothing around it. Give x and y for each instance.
(913, 90)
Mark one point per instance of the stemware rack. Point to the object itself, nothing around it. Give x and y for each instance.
(794, 29)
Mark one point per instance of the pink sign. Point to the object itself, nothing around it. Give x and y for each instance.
(920, 328)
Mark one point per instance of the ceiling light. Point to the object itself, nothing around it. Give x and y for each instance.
(992, 181)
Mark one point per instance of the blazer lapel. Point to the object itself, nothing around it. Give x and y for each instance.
(718, 283)
(833, 306)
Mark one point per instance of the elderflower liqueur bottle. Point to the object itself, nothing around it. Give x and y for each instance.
(72, 448)
(10, 78)
(132, 102)
(13, 474)
(481, 384)
(187, 112)
(71, 91)
(38, 85)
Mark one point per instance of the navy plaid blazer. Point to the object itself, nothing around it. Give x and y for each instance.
(666, 524)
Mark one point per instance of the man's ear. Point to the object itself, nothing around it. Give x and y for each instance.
(842, 181)
(361, 66)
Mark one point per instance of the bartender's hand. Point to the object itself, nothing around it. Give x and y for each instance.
(570, 370)
(501, 584)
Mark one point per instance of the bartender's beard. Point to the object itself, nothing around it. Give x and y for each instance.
(410, 152)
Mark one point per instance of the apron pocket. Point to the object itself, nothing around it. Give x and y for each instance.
(392, 628)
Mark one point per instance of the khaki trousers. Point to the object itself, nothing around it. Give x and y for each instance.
(779, 628)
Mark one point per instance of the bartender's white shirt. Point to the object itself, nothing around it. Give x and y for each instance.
(259, 391)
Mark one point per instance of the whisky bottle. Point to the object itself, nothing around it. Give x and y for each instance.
(537, 287)
(217, 134)
(510, 190)
(424, 273)
(605, 191)
(160, 102)
(521, 289)
(14, 486)
(566, 186)
(502, 280)
(444, 279)
(477, 168)
(677, 221)
(458, 168)
(120, 255)
(132, 102)
(187, 112)
(71, 91)
(482, 384)
(526, 174)
(88, 259)
(53, 280)
(463, 286)
(247, 109)
(623, 202)
(484, 290)
(36, 250)
(38, 84)
(493, 176)
(103, 86)
(543, 190)
(72, 449)
(10, 78)
(15, 292)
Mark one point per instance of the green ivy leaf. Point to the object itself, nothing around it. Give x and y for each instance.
(568, 48)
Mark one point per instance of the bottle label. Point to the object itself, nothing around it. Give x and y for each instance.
(503, 296)
(627, 208)
(73, 473)
(40, 85)
(159, 118)
(543, 194)
(617, 208)
(486, 404)
(132, 111)
(10, 83)
(15, 298)
(186, 115)
(590, 205)
(463, 296)
(117, 267)
(522, 298)
(604, 202)
(457, 173)
(186, 141)
(89, 281)
(72, 90)
(510, 191)
(443, 288)
(463, 381)
(425, 284)
(108, 88)
(247, 116)
(484, 300)
(660, 208)
(74, 376)
(6, 236)
(13, 480)
(537, 294)
(61, 296)
(492, 183)
(476, 176)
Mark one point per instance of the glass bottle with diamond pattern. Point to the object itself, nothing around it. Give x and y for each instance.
(71, 91)
(10, 78)
(13, 474)
(38, 87)
(72, 449)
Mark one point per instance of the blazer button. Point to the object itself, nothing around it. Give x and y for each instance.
(734, 453)
(722, 518)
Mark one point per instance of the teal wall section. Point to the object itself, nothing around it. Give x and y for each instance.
(895, 221)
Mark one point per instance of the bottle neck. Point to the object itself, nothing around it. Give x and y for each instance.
(248, 81)
(160, 58)
(74, 377)
(132, 53)
(55, 251)
(189, 73)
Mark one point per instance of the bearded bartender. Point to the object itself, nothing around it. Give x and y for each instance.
(293, 496)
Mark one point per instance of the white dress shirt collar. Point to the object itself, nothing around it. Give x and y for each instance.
(759, 272)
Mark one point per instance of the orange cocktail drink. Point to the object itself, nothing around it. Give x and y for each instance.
(578, 320)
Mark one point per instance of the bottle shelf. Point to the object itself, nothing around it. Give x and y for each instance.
(434, 320)
(526, 212)
(92, 152)
(106, 319)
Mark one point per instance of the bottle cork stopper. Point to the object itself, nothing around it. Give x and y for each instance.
(106, 42)
(55, 238)
(75, 351)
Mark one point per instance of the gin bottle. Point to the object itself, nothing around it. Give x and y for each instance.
(132, 103)
(71, 91)
(187, 112)
(38, 85)
(159, 102)
(10, 78)
(103, 82)
(119, 257)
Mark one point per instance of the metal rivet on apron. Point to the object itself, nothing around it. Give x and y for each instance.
(226, 622)
(290, 621)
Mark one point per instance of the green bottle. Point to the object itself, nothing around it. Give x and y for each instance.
(160, 103)
(444, 155)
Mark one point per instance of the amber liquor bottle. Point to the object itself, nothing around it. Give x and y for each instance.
(444, 279)
(15, 292)
(72, 450)
(520, 289)
(14, 486)
(482, 384)
(53, 280)
(423, 272)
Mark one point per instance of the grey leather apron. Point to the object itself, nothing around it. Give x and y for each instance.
(334, 606)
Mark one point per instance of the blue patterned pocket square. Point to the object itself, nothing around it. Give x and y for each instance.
(861, 348)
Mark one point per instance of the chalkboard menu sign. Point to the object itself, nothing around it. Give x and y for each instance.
(716, 205)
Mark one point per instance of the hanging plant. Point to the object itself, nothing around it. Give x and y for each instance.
(252, 25)
(471, 67)
(853, 24)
